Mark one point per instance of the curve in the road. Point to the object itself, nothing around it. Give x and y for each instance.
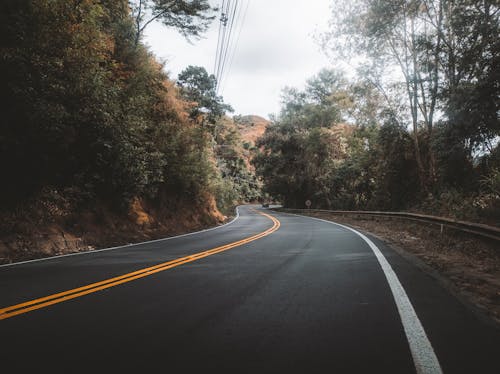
(424, 357)
(60, 297)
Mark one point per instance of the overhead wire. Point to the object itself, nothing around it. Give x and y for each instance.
(218, 40)
(231, 45)
(230, 26)
(225, 17)
(223, 20)
(234, 49)
(228, 42)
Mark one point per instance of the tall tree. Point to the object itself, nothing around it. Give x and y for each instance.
(470, 61)
(189, 17)
(300, 146)
(388, 33)
(87, 110)
(435, 46)
(199, 87)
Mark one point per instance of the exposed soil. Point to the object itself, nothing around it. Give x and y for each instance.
(467, 265)
(42, 231)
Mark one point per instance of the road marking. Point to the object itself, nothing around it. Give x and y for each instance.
(46, 301)
(127, 245)
(424, 357)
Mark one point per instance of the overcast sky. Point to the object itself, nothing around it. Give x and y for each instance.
(276, 49)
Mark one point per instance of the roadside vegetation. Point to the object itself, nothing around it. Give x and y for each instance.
(99, 146)
(97, 139)
(415, 128)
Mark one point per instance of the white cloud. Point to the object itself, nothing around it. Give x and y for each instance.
(276, 49)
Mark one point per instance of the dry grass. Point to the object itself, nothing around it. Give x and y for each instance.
(252, 128)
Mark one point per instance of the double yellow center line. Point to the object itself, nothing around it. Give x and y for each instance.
(46, 301)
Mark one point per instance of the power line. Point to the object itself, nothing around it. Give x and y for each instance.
(228, 43)
(225, 17)
(230, 49)
(222, 37)
(231, 15)
(218, 40)
(231, 59)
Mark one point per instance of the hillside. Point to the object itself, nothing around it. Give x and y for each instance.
(99, 146)
(251, 127)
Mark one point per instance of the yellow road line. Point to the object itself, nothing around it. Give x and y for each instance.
(46, 301)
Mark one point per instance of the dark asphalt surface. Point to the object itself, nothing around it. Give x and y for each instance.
(309, 298)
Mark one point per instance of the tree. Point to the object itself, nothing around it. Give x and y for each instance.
(86, 109)
(395, 170)
(59, 101)
(441, 49)
(200, 88)
(470, 61)
(300, 147)
(237, 182)
(189, 17)
(390, 35)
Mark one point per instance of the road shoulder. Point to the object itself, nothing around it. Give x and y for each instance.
(468, 267)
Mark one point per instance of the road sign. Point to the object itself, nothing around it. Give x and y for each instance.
(308, 203)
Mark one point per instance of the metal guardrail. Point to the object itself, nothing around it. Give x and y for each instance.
(486, 231)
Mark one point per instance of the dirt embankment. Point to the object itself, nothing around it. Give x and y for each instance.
(467, 265)
(48, 229)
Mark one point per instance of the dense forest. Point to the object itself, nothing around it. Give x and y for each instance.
(415, 127)
(92, 123)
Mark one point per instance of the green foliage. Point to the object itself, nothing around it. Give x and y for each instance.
(317, 106)
(423, 114)
(454, 163)
(200, 88)
(447, 56)
(362, 165)
(238, 183)
(308, 155)
(491, 182)
(226, 194)
(86, 108)
(59, 94)
(189, 164)
(300, 147)
(234, 183)
(190, 18)
(471, 64)
(396, 169)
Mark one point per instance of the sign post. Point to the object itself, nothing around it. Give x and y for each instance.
(308, 204)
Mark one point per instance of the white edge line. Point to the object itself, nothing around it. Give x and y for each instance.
(126, 245)
(424, 357)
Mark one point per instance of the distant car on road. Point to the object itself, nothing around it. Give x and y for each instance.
(265, 205)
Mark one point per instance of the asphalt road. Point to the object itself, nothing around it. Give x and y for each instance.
(304, 297)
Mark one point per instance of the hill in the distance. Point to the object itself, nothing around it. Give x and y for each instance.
(251, 127)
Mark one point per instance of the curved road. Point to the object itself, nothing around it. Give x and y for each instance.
(267, 293)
